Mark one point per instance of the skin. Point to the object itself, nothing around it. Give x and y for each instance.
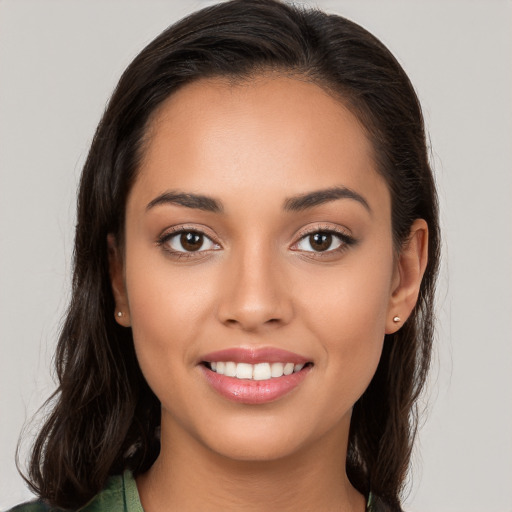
(251, 146)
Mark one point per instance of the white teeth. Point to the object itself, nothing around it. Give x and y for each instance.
(259, 371)
(276, 369)
(230, 369)
(244, 371)
(288, 368)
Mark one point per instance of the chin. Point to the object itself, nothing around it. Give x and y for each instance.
(265, 438)
(256, 450)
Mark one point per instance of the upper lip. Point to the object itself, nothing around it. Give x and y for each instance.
(253, 355)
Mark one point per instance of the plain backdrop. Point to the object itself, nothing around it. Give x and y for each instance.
(59, 61)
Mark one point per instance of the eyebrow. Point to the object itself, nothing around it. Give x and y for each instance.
(196, 201)
(318, 197)
(292, 204)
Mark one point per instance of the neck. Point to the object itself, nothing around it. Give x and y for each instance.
(189, 476)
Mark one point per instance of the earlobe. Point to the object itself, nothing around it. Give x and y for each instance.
(115, 260)
(411, 265)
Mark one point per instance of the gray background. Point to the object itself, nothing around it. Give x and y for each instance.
(59, 61)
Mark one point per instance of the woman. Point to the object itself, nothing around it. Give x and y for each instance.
(255, 260)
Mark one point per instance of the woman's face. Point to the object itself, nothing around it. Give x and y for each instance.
(258, 234)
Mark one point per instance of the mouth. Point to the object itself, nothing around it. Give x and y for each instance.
(254, 376)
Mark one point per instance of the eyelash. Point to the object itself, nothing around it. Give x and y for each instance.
(166, 237)
(345, 239)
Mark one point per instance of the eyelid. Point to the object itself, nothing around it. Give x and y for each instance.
(173, 231)
(344, 234)
(324, 228)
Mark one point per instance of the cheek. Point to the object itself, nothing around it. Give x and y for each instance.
(348, 312)
(168, 308)
(351, 301)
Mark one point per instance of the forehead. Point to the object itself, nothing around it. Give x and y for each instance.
(265, 135)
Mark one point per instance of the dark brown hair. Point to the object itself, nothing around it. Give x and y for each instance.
(104, 417)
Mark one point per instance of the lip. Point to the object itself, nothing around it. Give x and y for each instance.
(254, 391)
(255, 355)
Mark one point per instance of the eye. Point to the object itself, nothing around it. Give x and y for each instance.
(323, 241)
(188, 241)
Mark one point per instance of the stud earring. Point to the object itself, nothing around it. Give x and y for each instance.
(396, 319)
(119, 314)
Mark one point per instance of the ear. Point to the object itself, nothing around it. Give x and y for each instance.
(115, 261)
(409, 271)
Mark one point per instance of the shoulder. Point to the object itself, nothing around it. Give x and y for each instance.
(110, 498)
(31, 506)
(119, 495)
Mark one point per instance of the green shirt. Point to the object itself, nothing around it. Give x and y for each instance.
(121, 495)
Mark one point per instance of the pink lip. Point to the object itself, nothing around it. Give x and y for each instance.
(254, 391)
(255, 355)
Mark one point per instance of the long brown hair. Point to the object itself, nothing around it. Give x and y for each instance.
(104, 417)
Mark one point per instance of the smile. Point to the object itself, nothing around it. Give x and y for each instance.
(259, 371)
(254, 376)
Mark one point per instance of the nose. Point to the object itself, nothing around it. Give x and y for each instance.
(255, 295)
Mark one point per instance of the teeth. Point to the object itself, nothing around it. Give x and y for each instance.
(288, 368)
(230, 369)
(277, 369)
(259, 371)
(243, 371)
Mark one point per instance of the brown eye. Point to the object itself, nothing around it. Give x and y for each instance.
(190, 241)
(322, 241)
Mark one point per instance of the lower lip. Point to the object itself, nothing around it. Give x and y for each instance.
(254, 391)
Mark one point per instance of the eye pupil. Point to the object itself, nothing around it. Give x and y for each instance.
(191, 241)
(320, 241)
